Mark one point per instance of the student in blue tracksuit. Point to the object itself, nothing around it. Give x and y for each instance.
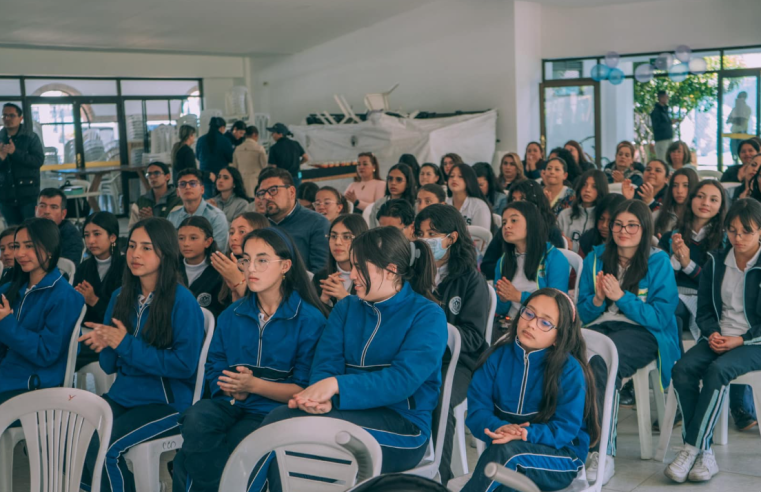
(529, 262)
(196, 237)
(729, 317)
(38, 312)
(533, 397)
(628, 292)
(260, 356)
(378, 363)
(152, 341)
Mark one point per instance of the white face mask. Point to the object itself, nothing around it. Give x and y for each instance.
(437, 247)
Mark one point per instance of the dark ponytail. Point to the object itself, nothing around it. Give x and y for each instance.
(215, 124)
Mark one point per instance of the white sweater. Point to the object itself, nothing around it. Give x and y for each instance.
(574, 228)
(475, 212)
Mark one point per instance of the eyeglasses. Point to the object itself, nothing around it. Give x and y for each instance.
(192, 184)
(395, 179)
(9, 116)
(154, 174)
(347, 238)
(733, 232)
(260, 264)
(320, 203)
(272, 190)
(529, 315)
(628, 228)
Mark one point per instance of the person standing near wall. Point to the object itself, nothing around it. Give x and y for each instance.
(250, 159)
(237, 134)
(739, 118)
(286, 153)
(663, 131)
(21, 156)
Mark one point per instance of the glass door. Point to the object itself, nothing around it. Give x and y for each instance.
(56, 124)
(738, 113)
(100, 134)
(570, 111)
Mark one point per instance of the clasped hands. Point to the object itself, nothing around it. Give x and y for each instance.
(508, 432)
(607, 287)
(507, 291)
(316, 399)
(721, 344)
(103, 336)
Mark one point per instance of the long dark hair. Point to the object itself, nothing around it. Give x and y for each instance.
(569, 341)
(46, 238)
(533, 193)
(637, 268)
(158, 328)
(752, 184)
(410, 188)
(571, 166)
(484, 170)
(204, 225)
(215, 123)
(715, 231)
(436, 170)
(296, 278)
(456, 159)
(582, 157)
(411, 161)
(239, 188)
(384, 246)
(376, 166)
(356, 224)
(601, 184)
(747, 210)
(109, 223)
(340, 199)
(671, 209)
(471, 183)
(608, 204)
(536, 242)
(525, 153)
(446, 219)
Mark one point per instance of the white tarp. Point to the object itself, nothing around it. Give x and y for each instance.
(472, 136)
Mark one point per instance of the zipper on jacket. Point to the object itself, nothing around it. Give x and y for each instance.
(261, 341)
(713, 287)
(523, 383)
(29, 291)
(370, 340)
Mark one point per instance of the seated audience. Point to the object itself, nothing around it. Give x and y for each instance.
(191, 188)
(681, 185)
(161, 198)
(551, 426)
(307, 228)
(678, 155)
(737, 173)
(411, 161)
(227, 265)
(398, 214)
(464, 296)
(430, 194)
(258, 205)
(466, 196)
(573, 222)
(572, 167)
(38, 312)
(598, 234)
(530, 262)
(330, 203)
(334, 282)
(624, 166)
(250, 159)
(51, 205)
(579, 156)
(197, 244)
(490, 188)
(231, 198)
(654, 188)
(750, 182)
(400, 184)
(306, 193)
(628, 293)
(510, 170)
(368, 187)
(7, 237)
(448, 162)
(533, 161)
(554, 176)
(430, 174)
(183, 156)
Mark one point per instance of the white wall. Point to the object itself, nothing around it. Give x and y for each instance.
(660, 25)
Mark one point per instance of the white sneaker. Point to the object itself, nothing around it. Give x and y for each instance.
(705, 467)
(593, 464)
(682, 464)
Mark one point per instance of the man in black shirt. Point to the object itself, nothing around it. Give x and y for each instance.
(286, 153)
(237, 134)
(663, 131)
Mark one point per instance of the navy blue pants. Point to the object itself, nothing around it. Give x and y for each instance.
(211, 430)
(132, 426)
(16, 214)
(403, 445)
(462, 377)
(549, 468)
(701, 407)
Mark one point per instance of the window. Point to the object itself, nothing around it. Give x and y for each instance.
(158, 87)
(70, 87)
(10, 87)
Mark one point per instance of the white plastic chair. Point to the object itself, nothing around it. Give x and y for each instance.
(101, 380)
(577, 264)
(366, 214)
(58, 424)
(336, 452)
(146, 456)
(614, 188)
(67, 266)
(429, 465)
(481, 237)
(709, 173)
(459, 450)
(597, 344)
(753, 379)
(642, 379)
(497, 219)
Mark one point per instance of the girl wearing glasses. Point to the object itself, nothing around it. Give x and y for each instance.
(681, 185)
(334, 282)
(378, 363)
(400, 184)
(259, 358)
(330, 203)
(152, 340)
(628, 292)
(533, 396)
(730, 328)
(591, 190)
(529, 261)
(197, 244)
(464, 296)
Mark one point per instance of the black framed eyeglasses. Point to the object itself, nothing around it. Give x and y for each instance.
(153, 174)
(628, 228)
(272, 190)
(188, 184)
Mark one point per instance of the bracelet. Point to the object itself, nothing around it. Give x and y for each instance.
(239, 284)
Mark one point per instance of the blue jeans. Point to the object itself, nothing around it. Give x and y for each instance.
(16, 214)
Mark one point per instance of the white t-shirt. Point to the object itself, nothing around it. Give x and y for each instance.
(195, 271)
(475, 212)
(103, 266)
(733, 322)
(574, 228)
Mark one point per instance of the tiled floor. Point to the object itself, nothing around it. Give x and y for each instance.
(739, 462)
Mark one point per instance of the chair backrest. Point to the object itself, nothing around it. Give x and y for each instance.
(599, 344)
(71, 361)
(492, 310)
(67, 266)
(614, 187)
(58, 424)
(367, 213)
(453, 344)
(313, 453)
(481, 237)
(577, 263)
(208, 326)
(497, 219)
(709, 173)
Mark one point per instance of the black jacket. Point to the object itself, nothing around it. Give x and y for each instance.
(72, 244)
(20, 171)
(6, 276)
(494, 251)
(206, 289)
(661, 121)
(730, 175)
(185, 159)
(709, 297)
(465, 300)
(286, 154)
(103, 289)
(698, 254)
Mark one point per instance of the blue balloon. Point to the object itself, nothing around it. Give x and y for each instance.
(679, 72)
(616, 76)
(600, 72)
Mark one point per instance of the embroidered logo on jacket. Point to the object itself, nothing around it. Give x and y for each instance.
(455, 304)
(204, 299)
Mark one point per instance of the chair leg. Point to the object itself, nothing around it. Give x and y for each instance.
(6, 462)
(667, 425)
(756, 388)
(642, 395)
(722, 426)
(146, 469)
(459, 452)
(655, 381)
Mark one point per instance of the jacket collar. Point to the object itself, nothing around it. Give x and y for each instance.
(171, 191)
(535, 356)
(48, 280)
(395, 301)
(288, 309)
